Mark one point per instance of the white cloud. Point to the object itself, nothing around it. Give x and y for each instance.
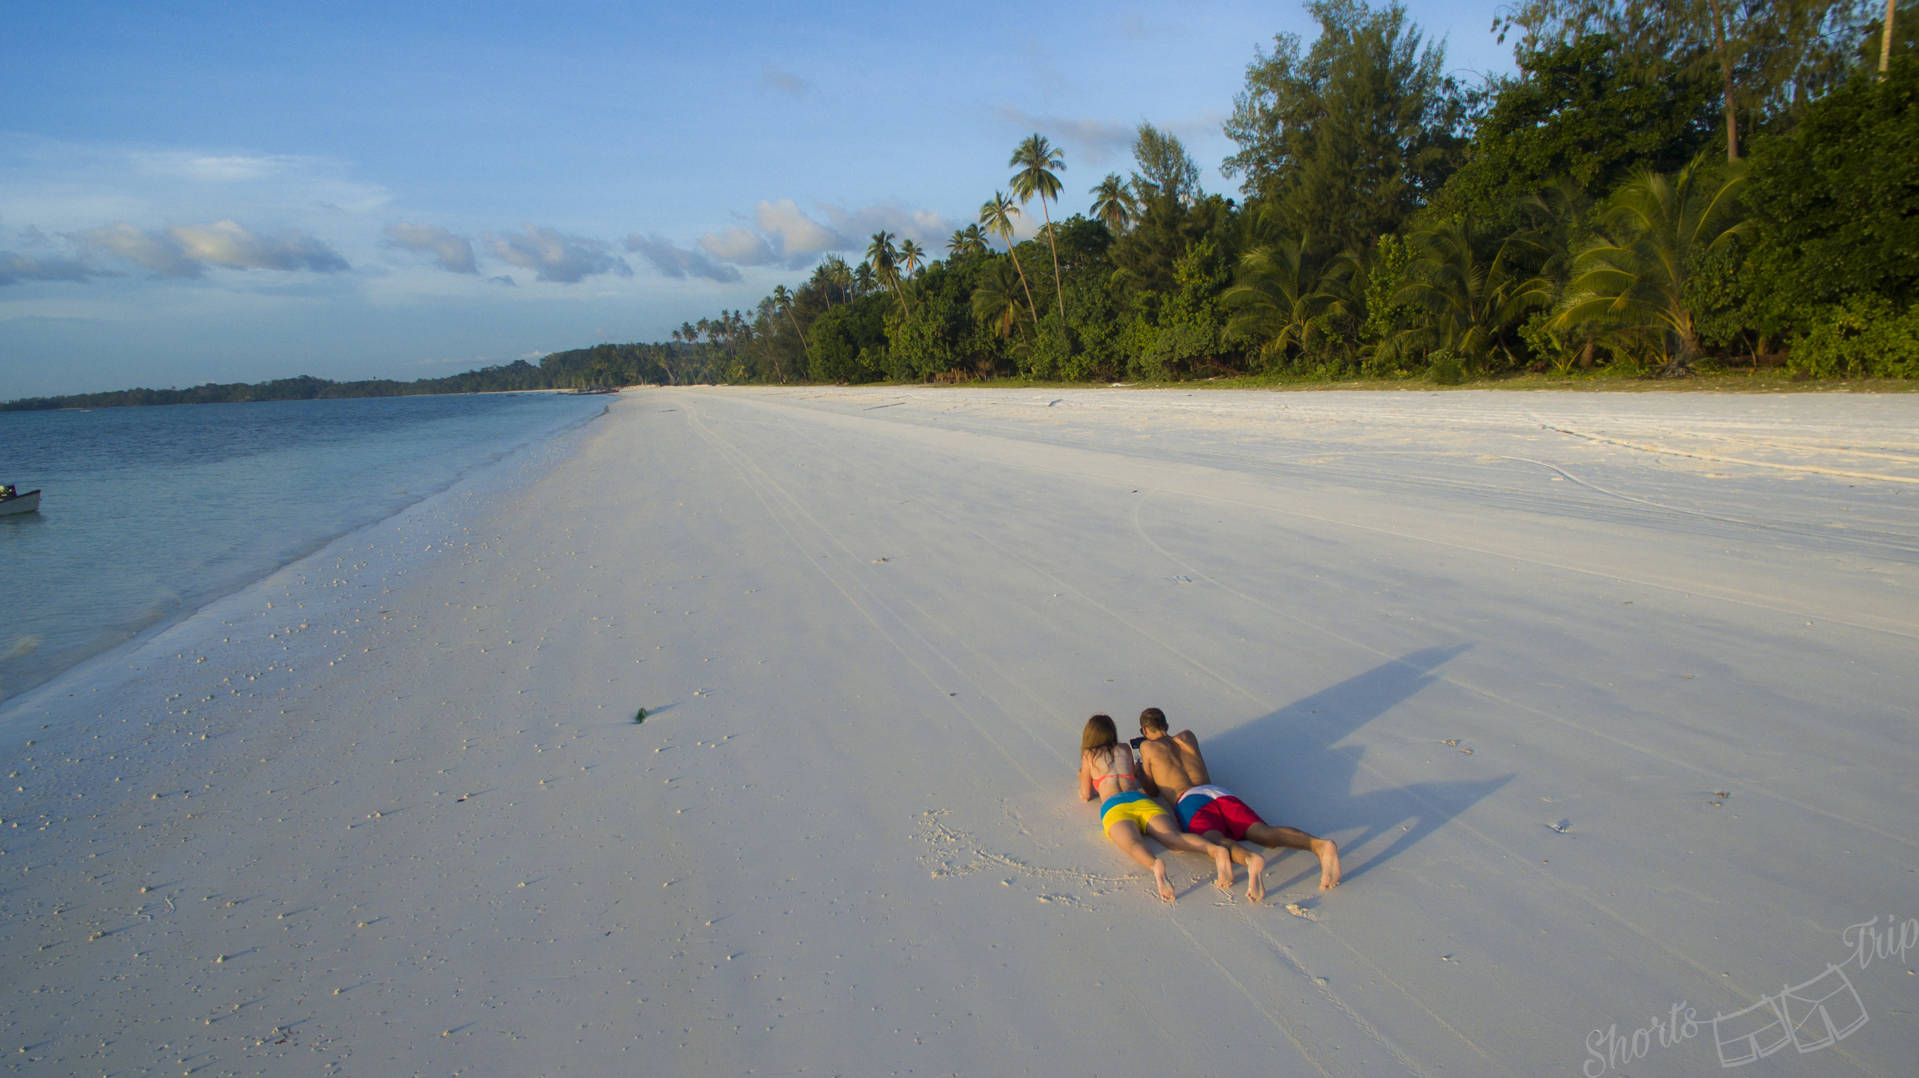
(213, 168)
(798, 237)
(925, 227)
(453, 253)
(739, 246)
(226, 243)
(785, 234)
(148, 250)
(674, 261)
(186, 250)
(555, 256)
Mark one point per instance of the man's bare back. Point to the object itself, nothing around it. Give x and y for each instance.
(1174, 763)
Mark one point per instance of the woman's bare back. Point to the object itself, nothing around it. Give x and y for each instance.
(1111, 769)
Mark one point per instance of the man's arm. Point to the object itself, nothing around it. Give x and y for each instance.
(1191, 741)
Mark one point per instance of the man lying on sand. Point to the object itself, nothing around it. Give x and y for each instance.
(1172, 763)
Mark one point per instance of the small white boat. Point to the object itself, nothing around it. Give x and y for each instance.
(11, 503)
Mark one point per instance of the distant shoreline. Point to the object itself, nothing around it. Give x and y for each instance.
(1698, 382)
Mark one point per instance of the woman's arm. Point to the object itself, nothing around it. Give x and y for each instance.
(1146, 783)
(1086, 790)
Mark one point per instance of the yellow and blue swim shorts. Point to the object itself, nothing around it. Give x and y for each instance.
(1129, 805)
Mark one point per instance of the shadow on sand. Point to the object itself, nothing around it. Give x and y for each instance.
(1290, 766)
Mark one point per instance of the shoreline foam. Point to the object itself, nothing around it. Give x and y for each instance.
(296, 549)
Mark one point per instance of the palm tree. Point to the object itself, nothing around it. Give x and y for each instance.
(823, 280)
(994, 301)
(885, 263)
(784, 300)
(1557, 227)
(966, 241)
(860, 281)
(1113, 203)
(1471, 305)
(911, 255)
(997, 216)
(881, 252)
(685, 333)
(1036, 159)
(1282, 300)
(1635, 272)
(842, 277)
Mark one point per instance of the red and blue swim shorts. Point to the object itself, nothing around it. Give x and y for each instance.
(1209, 808)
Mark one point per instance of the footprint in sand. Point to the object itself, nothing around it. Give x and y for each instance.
(1298, 910)
(951, 853)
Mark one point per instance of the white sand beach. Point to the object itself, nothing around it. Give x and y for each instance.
(1607, 698)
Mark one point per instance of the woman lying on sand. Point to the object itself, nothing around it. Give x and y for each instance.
(1106, 769)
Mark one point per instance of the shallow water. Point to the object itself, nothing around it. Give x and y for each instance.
(149, 513)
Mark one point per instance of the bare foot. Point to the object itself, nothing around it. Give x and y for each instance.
(1223, 861)
(1159, 875)
(1328, 855)
(1255, 885)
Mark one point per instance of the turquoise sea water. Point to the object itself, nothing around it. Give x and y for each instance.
(150, 513)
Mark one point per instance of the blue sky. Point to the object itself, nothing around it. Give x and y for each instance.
(195, 192)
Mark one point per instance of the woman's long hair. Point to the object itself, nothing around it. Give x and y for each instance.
(1099, 734)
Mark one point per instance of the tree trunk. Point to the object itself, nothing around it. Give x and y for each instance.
(1725, 71)
(899, 290)
(1059, 285)
(1022, 284)
(1885, 42)
(805, 348)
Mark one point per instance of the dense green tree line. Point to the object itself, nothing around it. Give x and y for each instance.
(1663, 186)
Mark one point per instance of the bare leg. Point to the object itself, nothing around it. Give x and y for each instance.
(1172, 837)
(1255, 864)
(1255, 876)
(1293, 838)
(1159, 877)
(1127, 837)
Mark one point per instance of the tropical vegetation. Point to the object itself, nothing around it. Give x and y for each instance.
(1663, 187)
